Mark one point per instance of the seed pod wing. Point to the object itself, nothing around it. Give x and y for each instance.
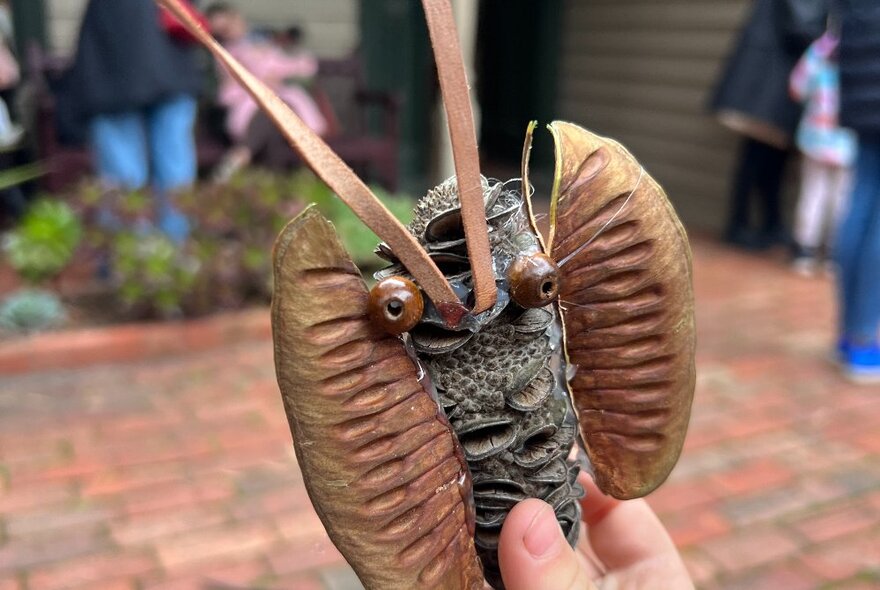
(627, 304)
(380, 462)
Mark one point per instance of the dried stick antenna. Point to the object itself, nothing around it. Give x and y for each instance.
(527, 185)
(331, 169)
(456, 99)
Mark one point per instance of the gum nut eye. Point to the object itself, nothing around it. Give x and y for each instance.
(534, 280)
(396, 305)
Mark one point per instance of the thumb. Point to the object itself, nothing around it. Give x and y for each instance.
(533, 553)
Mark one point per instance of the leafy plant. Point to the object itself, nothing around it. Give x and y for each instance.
(154, 273)
(20, 175)
(31, 310)
(358, 239)
(44, 241)
(226, 261)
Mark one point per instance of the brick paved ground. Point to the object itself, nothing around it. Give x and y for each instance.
(179, 474)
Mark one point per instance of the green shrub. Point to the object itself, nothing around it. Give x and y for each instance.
(44, 241)
(227, 260)
(358, 239)
(31, 310)
(155, 276)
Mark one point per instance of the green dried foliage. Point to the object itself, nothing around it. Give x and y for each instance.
(31, 310)
(44, 241)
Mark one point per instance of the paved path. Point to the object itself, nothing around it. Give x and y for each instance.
(179, 473)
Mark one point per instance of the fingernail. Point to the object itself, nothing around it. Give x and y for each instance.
(543, 535)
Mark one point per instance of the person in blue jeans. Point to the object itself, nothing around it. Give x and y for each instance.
(858, 239)
(157, 140)
(131, 94)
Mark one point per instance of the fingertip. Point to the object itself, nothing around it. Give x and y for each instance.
(594, 505)
(533, 552)
(524, 516)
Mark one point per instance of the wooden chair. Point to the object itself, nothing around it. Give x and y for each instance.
(65, 165)
(364, 124)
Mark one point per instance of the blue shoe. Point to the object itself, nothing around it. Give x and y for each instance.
(863, 364)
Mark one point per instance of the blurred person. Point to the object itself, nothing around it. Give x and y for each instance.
(752, 99)
(10, 75)
(828, 149)
(253, 133)
(12, 198)
(131, 92)
(858, 239)
(290, 40)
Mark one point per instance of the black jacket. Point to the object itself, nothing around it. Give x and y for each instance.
(754, 83)
(124, 61)
(860, 65)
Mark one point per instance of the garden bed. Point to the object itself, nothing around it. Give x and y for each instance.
(50, 277)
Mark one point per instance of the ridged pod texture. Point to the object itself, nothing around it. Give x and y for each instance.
(627, 305)
(380, 462)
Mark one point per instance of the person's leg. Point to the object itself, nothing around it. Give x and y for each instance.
(119, 150)
(838, 200)
(741, 190)
(173, 159)
(865, 315)
(268, 146)
(812, 204)
(769, 185)
(852, 237)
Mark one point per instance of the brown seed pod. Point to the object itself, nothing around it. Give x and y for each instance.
(628, 307)
(379, 460)
(396, 305)
(534, 280)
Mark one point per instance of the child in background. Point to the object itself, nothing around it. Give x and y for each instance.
(254, 135)
(829, 152)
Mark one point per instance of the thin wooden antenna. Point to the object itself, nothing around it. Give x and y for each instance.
(333, 171)
(456, 99)
(527, 185)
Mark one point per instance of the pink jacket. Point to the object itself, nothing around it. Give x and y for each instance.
(275, 68)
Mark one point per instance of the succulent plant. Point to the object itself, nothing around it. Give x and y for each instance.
(31, 310)
(44, 241)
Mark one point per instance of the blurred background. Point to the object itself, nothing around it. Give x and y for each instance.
(142, 439)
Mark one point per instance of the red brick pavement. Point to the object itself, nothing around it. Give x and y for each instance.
(178, 473)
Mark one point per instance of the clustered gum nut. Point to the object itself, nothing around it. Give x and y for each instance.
(396, 305)
(534, 280)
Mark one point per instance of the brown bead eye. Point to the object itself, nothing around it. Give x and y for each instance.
(534, 280)
(396, 305)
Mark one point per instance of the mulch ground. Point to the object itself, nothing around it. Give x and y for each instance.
(178, 472)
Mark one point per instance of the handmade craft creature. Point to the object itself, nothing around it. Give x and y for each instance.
(424, 408)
